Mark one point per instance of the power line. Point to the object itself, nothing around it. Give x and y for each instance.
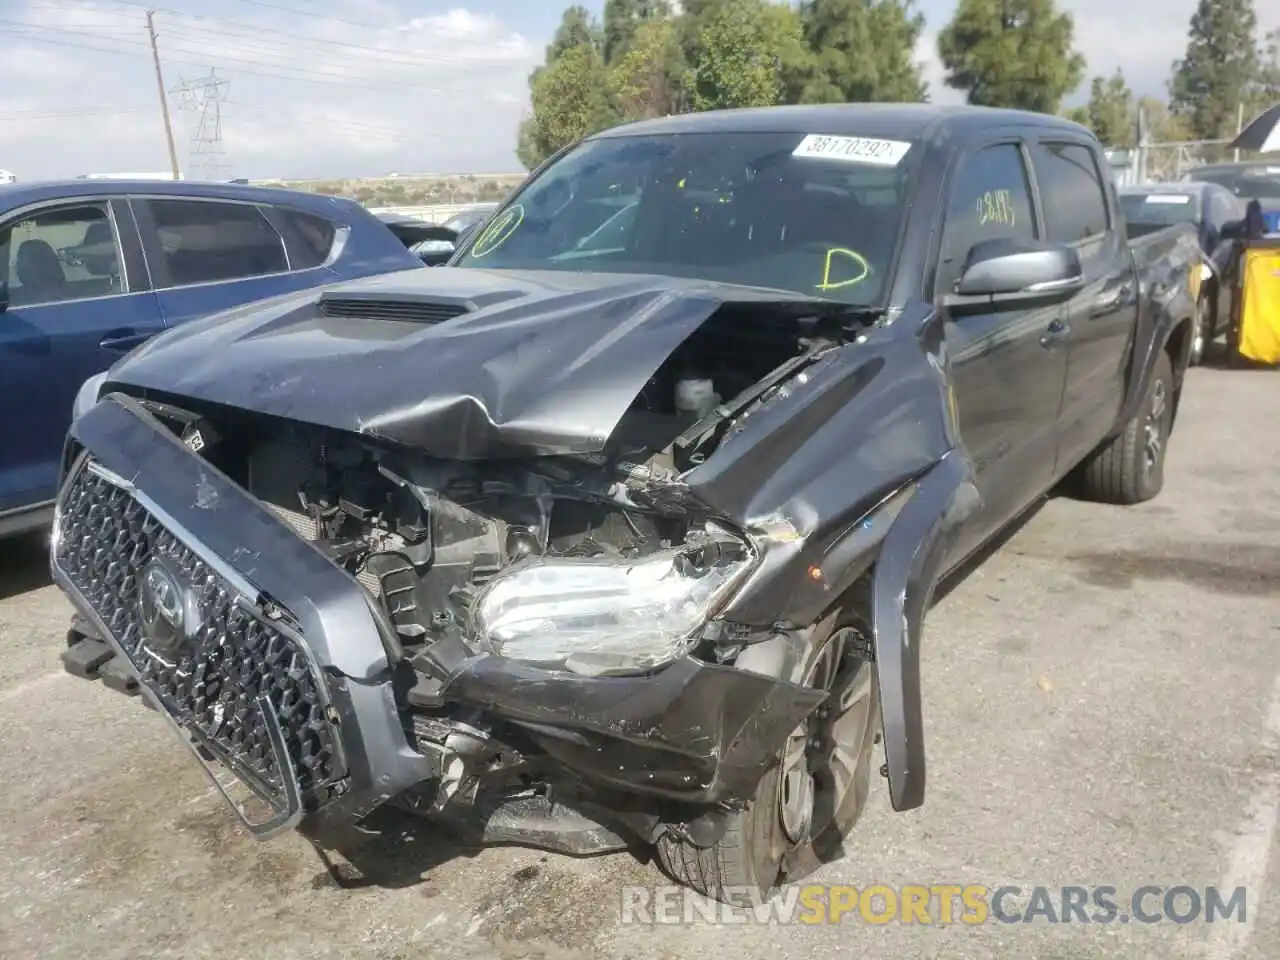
(242, 28)
(26, 115)
(207, 95)
(126, 47)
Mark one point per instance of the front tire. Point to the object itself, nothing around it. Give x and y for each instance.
(810, 798)
(1201, 333)
(1130, 468)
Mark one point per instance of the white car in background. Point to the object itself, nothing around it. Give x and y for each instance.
(7, 177)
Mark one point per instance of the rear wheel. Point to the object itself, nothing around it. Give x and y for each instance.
(809, 800)
(1130, 468)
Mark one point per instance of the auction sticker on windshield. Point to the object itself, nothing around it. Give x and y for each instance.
(880, 153)
(1168, 198)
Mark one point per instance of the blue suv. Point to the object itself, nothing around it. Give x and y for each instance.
(89, 269)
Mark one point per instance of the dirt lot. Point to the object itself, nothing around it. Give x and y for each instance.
(1103, 707)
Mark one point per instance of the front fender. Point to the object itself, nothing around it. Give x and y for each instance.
(912, 559)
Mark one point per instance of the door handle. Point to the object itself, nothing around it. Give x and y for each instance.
(123, 340)
(1056, 333)
(1120, 296)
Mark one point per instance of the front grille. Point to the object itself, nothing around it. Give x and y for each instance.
(409, 311)
(211, 683)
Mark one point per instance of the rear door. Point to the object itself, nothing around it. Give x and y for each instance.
(1079, 211)
(1007, 366)
(79, 298)
(212, 255)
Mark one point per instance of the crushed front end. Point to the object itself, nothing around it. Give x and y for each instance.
(525, 647)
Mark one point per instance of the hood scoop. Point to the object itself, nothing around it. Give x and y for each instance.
(426, 312)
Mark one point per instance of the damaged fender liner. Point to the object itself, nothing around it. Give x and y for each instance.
(692, 732)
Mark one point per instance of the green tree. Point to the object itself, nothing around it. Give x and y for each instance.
(1266, 92)
(863, 51)
(529, 143)
(648, 79)
(622, 18)
(1111, 111)
(577, 29)
(738, 54)
(1211, 80)
(1162, 125)
(1011, 53)
(568, 91)
(570, 99)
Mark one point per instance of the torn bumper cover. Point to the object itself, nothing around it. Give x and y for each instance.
(274, 664)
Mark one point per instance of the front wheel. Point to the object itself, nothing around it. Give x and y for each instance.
(1130, 468)
(1201, 333)
(808, 801)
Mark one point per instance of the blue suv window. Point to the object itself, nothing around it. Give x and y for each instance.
(60, 254)
(310, 240)
(205, 241)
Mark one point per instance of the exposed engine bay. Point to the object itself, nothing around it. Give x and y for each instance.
(425, 536)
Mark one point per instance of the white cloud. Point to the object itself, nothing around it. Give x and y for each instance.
(382, 87)
(307, 96)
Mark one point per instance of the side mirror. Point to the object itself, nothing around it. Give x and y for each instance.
(1009, 273)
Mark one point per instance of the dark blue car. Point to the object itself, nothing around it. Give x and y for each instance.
(89, 269)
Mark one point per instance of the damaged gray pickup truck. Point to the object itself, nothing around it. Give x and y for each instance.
(620, 529)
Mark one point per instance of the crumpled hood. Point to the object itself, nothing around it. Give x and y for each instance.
(543, 363)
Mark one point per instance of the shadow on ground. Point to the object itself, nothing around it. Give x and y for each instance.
(24, 564)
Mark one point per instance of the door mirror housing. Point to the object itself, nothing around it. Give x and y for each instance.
(1007, 265)
(1010, 273)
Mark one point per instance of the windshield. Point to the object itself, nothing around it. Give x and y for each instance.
(814, 215)
(1161, 208)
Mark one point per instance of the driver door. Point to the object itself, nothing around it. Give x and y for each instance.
(78, 299)
(1008, 365)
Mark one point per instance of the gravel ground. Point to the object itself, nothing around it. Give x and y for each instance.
(1103, 707)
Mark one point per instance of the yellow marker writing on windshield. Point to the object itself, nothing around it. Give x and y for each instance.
(864, 268)
(498, 231)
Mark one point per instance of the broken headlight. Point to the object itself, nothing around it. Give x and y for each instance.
(597, 616)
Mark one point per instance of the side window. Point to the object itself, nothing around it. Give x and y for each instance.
(990, 198)
(204, 241)
(1075, 205)
(63, 253)
(310, 238)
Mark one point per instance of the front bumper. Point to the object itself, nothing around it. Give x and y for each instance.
(322, 741)
(283, 678)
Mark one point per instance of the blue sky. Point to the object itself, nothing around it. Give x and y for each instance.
(362, 87)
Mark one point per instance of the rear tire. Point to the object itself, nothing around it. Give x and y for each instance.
(773, 840)
(1130, 468)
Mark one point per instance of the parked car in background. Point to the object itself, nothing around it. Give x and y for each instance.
(1255, 180)
(7, 177)
(436, 249)
(89, 269)
(1209, 207)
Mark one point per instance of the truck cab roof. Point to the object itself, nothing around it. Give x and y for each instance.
(904, 121)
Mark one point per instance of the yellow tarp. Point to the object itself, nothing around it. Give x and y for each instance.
(1260, 309)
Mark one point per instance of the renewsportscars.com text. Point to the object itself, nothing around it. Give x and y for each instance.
(940, 904)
